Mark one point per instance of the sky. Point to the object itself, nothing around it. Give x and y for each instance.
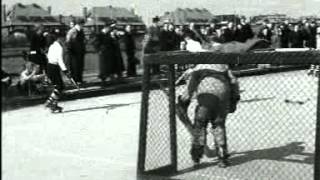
(149, 8)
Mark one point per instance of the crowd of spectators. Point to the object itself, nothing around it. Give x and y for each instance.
(281, 35)
(168, 37)
(159, 37)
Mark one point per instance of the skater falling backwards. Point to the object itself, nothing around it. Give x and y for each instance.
(55, 65)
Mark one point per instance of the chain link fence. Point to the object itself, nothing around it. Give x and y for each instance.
(271, 135)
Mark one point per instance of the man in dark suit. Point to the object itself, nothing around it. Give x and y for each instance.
(75, 42)
(152, 42)
(239, 34)
(296, 37)
(265, 33)
(313, 34)
(228, 34)
(130, 47)
(38, 47)
(285, 33)
(104, 46)
(246, 29)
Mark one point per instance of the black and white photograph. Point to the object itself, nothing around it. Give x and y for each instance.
(160, 90)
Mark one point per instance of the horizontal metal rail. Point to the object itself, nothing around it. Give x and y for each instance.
(262, 57)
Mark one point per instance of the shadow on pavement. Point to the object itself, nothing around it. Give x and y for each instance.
(280, 153)
(107, 107)
(277, 154)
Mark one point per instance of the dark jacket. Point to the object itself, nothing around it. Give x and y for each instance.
(37, 43)
(284, 38)
(247, 31)
(167, 41)
(228, 35)
(153, 40)
(306, 35)
(296, 39)
(240, 35)
(266, 36)
(37, 49)
(75, 42)
(129, 43)
(313, 37)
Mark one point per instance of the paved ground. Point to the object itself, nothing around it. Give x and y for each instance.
(97, 138)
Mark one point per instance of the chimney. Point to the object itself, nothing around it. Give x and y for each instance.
(60, 18)
(49, 9)
(132, 10)
(85, 12)
(4, 13)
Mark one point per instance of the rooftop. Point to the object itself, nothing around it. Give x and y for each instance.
(184, 16)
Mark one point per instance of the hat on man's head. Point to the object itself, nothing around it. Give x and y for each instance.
(38, 27)
(111, 23)
(155, 19)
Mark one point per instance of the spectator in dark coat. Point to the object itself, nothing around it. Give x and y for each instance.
(117, 61)
(38, 47)
(228, 33)
(266, 33)
(296, 37)
(104, 46)
(239, 34)
(313, 35)
(152, 41)
(130, 49)
(168, 38)
(284, 34)
(164, 37)
(193, 32)
(212, 30)
(246, 29)
(306, 34)
(75, 42)
(178, 38)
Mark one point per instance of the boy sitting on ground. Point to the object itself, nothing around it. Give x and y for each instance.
(30, 78)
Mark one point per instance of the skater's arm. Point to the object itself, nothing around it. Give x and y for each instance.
(60, 58)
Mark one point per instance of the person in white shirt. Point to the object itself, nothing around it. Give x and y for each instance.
(54, 66)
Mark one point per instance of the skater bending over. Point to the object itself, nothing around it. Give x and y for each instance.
(200, 71)
(55, 65)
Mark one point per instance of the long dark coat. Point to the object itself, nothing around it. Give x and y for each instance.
(104, 45)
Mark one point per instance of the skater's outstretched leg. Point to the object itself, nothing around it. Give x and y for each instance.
(52, 101)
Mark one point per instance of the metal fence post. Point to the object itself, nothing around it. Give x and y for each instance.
(143, 119)
(317, 143)
(173, 124)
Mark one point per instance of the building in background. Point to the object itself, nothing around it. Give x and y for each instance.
(183, 17)
(96, 17)
(273, 18)
(23, 17)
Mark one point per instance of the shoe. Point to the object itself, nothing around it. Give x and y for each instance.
(56, 108)
(310, 72)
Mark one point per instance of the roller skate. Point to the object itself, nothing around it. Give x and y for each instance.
(55, 108)
(223, 157)
(196, 152)
(311, 70)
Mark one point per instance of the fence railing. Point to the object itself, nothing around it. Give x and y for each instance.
(274, 134)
